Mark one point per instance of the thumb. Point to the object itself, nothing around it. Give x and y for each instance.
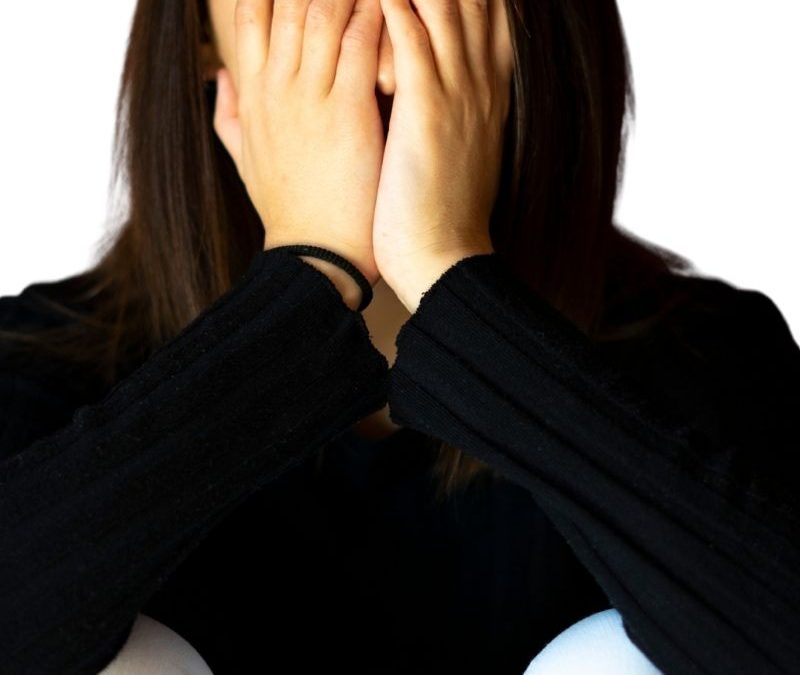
(226, 117)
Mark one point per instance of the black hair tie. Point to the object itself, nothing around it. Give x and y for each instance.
(336, 259)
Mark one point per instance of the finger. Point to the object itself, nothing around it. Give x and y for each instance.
(442, 20)
(251, 20)
(322, 39)
(357, 70)
(286, 36)
(500, 31)
(414, 62)
(475, 23)
(226, 117)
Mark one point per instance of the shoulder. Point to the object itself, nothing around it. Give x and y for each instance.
(720, 356)
(706, 314)
(40, 304)
(721, 368)
(750, 365)
(728, 324)
(38, 391)
(38, 309)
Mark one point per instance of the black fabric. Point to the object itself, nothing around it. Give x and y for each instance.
(219, 488)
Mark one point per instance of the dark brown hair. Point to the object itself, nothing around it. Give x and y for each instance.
(190, 228)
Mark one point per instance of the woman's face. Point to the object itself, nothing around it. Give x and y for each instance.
(222, 25)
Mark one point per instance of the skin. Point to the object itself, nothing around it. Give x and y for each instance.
(224, 51)
(387, 313)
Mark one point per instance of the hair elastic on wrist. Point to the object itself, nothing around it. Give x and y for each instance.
(336, 259)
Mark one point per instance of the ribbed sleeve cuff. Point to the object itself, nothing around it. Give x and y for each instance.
(491, 368)
(95, 516)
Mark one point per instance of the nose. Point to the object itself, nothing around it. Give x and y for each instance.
(386, 82)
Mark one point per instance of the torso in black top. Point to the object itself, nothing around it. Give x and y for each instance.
(350, 561)
(346, 560)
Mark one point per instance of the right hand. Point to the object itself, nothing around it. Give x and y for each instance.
(305, 130)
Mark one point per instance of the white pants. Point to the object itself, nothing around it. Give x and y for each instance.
(596, 645)
(153, 648)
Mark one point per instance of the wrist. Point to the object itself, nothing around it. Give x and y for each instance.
(411, 283)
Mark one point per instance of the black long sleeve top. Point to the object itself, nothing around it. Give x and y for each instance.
(658, 475)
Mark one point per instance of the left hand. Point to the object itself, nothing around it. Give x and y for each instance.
(442, 159)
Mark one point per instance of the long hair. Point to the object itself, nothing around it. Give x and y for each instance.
(189, 228)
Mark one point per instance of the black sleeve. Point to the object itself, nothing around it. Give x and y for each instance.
(674, 479)
(96, 514)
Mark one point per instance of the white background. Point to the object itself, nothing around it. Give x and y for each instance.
(712, 165)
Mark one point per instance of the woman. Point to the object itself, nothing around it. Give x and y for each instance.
(196, 431)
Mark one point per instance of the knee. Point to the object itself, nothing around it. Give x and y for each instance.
(155, 649)
(596, 645)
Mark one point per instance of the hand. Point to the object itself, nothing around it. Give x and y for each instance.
(305, 130)
(443, 154)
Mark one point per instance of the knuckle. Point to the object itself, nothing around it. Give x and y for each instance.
(449, 9)
(288, 10)
(362, 30)
(418, 38)
(357, 36)
(475, 7)
(321, 11)
(247, 12)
